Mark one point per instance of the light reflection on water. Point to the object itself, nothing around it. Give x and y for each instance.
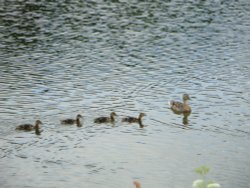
(61, 59)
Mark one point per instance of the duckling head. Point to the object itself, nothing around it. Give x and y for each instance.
(38, 122)
(113, 114)
(186, 97)
(78, 116)
(142, 115)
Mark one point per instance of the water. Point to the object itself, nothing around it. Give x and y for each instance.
(58, 59)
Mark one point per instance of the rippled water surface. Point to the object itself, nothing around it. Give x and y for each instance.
(58, 59)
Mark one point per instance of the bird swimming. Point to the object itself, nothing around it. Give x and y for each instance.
(179, 107)
(30, 127)
(110, 119)
(73, 121)
(134, 119)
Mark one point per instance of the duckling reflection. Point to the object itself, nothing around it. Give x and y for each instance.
(30, 127)
(134, 119)
(110, 119)
(179, 107)
(73, 121)
(185, 115)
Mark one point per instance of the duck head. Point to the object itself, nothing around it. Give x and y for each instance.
(78, 116)
(186, 97)
(141, 115)
(37, 124)
(113, 114)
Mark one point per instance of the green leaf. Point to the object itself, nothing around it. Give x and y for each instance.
(202, 170)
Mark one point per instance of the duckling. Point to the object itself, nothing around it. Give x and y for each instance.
(73, 121)
(134, 119)
(30, 127)
(110, 119)
(179, 107)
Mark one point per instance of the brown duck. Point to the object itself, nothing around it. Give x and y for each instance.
(134, 119)
(110, 119)
(73, 121)
(30, 127)
(180, 107)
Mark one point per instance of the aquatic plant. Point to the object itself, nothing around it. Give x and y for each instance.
(203, 183)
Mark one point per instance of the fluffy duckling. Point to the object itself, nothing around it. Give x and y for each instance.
(180, 107)
(30, 127)
(110, 119)
(73, 121)
(134, 119)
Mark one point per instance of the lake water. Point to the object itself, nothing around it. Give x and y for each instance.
(58, 59)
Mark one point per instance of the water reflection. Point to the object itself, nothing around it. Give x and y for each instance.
(185, 115)
(38, 132)
(185, 120)
(141, 125)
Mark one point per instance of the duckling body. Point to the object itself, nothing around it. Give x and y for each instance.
(25, 127)
(29, 127)
(72, 121)
(134, 119)
(68, 121)
(179, 107)
(110, 119)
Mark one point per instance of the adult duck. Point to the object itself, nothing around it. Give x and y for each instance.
(110, 119)
(73, 121)
(179, 107)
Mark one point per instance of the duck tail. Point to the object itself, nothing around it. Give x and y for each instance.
(170, 103)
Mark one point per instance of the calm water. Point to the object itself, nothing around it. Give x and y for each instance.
(58, 59)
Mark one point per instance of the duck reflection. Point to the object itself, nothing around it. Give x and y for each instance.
(38, 132)
(185, 120)
(185, 115)
(141, 125)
